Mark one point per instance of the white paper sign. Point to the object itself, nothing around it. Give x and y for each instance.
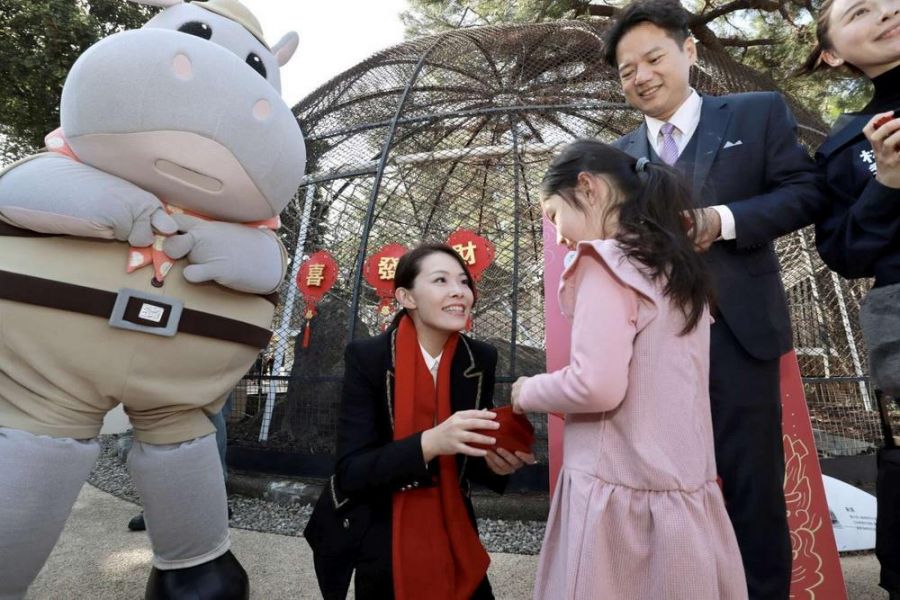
(853, 514)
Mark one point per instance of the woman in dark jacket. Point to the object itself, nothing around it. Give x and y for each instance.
(860, 156)
(415, 399)
(860, 237)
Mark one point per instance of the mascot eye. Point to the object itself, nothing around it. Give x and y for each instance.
(201, 30)
(256, 62)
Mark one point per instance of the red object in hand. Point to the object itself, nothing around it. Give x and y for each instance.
(883, 120)
(515, 434)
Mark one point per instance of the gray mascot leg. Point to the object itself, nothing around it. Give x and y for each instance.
(186, 510)
(40, 478)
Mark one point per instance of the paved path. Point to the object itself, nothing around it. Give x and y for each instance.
(98, 558)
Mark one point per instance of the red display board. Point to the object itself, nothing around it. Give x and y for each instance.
(816, 569)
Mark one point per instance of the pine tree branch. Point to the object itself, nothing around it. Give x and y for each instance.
(736, 5)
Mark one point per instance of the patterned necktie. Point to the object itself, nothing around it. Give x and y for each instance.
(669, 149)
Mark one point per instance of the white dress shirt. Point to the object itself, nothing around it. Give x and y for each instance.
(432, 362)
(686, 119)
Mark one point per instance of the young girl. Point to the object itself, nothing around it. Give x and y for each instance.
(860, 237)
(397, 509)
(637, 513)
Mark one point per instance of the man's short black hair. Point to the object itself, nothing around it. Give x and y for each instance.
(668, 15)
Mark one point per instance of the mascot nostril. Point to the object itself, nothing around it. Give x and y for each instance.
(181, 66)
(261, 110)
(172, 218)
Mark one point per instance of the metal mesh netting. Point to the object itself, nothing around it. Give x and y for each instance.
(455, 131)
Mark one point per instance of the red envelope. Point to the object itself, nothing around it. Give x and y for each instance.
(515, 433)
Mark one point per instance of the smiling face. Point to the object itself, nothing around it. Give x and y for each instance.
(440, 299)
(865, 34)
(588, 214)
(654, 69)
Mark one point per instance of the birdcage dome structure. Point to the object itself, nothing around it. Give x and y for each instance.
(453, 132)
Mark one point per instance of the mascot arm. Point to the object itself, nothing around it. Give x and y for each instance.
(54, 194)
(242, 258)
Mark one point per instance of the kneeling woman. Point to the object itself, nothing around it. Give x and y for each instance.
(397, 509)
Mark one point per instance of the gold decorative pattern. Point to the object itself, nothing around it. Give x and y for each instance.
(807, 564)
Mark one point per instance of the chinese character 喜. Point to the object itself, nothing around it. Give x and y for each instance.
(316, 275)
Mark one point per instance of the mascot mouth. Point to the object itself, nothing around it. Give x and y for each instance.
(188, 176)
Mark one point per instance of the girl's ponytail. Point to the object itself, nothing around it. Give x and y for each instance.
(654, 225)
(653, 207)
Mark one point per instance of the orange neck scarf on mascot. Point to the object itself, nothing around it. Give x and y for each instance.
(435, 548)
(154, 254)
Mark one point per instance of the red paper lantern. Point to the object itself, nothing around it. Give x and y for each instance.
(379, 273)
(476, 251)
(316, 276)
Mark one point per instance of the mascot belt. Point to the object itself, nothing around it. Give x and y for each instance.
(129, 309)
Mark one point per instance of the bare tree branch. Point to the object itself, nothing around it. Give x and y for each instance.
(742, 43)
(736, 5)
(600, 10)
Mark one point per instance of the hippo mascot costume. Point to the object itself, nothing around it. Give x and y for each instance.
(136, 255)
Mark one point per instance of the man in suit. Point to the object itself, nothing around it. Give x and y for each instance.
(751, 182)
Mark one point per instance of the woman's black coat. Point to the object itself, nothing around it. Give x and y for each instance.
(860, 236)
(352, 519)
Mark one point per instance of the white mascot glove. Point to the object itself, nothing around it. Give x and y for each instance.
(242, 258)
(53, 194)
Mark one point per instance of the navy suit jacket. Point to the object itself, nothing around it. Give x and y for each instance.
(748, 158)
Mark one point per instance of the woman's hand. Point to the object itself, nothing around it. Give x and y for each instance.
(503, 462)
(883, 132)
(514, 395)
(454, 435)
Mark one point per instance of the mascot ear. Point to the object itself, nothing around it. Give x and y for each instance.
(285, 48)
(162, 3)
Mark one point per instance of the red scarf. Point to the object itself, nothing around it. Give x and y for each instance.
(435, 549)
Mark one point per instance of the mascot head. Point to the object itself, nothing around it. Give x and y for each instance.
(189, 108)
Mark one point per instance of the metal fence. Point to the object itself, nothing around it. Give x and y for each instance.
(455, 131)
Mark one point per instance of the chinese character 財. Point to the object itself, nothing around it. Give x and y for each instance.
(467, 252)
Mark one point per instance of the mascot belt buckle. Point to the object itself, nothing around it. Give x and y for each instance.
(149, 313)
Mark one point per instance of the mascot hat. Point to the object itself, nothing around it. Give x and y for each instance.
(237, 12)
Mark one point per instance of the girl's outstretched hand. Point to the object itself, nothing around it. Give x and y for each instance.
(883, 132)
(503, 462)
(514, 395)
(454, 435)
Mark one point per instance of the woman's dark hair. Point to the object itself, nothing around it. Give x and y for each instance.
(410, 265)
(668, 15)
(814, 61)
(650, 200)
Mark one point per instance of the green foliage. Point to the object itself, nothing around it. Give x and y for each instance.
(39, 42)
(771, 36)
(827, 93)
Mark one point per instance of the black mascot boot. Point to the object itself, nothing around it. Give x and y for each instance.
(221, 579)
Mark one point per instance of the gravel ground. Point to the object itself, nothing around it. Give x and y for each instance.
(110, 475)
